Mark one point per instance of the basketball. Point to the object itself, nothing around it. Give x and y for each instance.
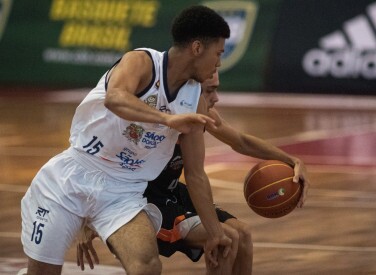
(269, 189)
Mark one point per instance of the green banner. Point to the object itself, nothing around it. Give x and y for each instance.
(71, 43)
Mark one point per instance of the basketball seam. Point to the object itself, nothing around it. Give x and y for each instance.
(270, 184)
(266, 207)
(274, 164)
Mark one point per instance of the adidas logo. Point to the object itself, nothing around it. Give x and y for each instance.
(346, 53)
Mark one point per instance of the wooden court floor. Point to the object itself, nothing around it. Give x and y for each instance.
(335, 233)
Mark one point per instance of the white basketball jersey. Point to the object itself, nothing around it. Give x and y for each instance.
(131, 151)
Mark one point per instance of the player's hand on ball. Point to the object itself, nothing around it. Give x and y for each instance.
(301, 176)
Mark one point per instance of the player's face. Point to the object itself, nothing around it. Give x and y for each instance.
(209, 60)
(209, 90)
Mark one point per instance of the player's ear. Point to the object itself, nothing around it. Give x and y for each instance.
(197, 47)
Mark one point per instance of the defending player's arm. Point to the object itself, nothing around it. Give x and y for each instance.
(193, 151)
(132, 75)
(258, 148)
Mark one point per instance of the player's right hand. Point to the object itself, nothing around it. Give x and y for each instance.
(185, 123)
(301, 176)
(85, 247)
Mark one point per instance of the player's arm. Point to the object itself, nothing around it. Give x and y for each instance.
(193, 151)
(246, 144)
(255, 147)
(132, 75)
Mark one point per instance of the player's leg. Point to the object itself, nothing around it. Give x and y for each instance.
(244, 258)
(135, 246)
(197, 238)
(48, 228)
(48, 231)
(36, 267)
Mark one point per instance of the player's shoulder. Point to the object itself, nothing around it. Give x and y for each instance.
(136, 57)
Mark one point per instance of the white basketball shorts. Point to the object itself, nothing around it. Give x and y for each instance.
(62, 194)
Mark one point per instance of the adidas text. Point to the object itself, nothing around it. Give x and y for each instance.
(341, 63)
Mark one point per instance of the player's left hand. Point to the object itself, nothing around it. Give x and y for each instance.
(85, 247)
(213, 247)
(301, 176)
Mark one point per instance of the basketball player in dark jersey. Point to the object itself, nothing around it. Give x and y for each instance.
(181, 228)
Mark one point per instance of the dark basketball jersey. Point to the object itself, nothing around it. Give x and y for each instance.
(173, 200)
(163, 190)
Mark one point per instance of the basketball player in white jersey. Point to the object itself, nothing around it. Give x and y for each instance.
(122, 136)
(181, 229)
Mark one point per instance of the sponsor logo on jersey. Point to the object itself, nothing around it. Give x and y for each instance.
(151, 101)
(186, 104)
(164, 109)
(240, 15)
(349, 52)
(134, 133)
(128, 160)
(151, 140)
(172, 200)
(5, 6)
(176, 163)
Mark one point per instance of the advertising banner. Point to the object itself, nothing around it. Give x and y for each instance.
(71, 43)
(325, 46)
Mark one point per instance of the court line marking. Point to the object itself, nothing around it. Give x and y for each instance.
(13, 188)
(268, 245)
(322, 134)
(297, 101)
(306, 136)
(13, 265)
(29, 151)
(314, 168)
(238, 186)
(258, 99)
(314, 247)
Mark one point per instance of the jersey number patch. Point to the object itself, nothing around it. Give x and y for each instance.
(93, 148)
(37, 234)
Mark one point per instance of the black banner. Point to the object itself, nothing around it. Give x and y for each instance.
(325, 46)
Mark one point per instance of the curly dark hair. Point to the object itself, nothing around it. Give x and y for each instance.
(198, 22)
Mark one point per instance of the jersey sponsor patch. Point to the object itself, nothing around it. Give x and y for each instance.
(176, 163)
(151, 101)
(128, 161)
(134, 133)
(151, 139)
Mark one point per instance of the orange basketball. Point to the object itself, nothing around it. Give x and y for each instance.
(269, 189)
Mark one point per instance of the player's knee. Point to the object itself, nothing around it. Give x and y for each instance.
(145, 266)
